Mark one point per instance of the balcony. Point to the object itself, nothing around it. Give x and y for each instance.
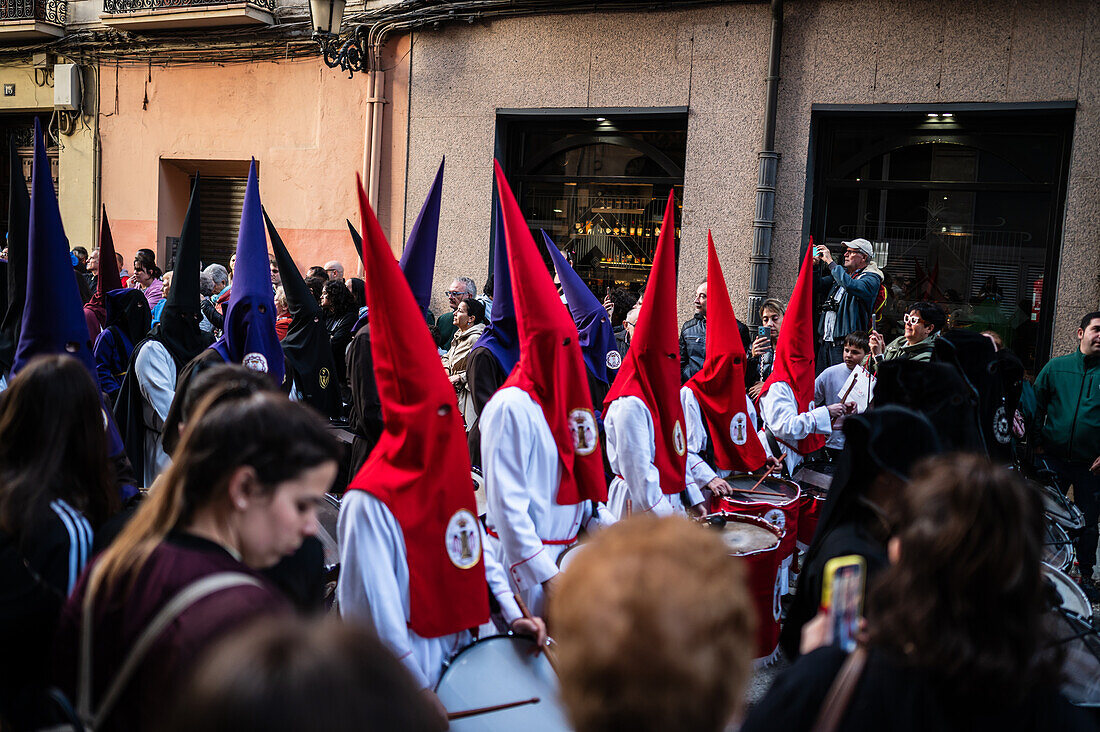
(22, 20)
(152, 15)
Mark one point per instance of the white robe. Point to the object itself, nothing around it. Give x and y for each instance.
(156, 374)
(789, 423)
(519, 460)
(374, 586)
(698, 470)
(631, 448)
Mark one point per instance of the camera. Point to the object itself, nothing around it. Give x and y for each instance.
(830, 306)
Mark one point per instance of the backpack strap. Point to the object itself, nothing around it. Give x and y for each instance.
(175, 607)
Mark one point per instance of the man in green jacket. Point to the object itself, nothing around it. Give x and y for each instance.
(1068, 394)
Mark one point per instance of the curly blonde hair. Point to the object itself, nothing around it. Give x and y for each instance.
(655, 629)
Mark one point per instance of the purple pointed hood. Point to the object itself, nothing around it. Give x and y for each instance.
(501, 336)
(249, 336)
(418, 259)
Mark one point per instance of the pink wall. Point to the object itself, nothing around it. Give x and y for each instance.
(303, 122)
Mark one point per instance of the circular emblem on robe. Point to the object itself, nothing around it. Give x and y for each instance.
(463, 540)
(776, 518)
(323, 377)
(614, 360)
(582, 425)
(255, 361)
(1002, 428)
(739, 429)
(678, 438)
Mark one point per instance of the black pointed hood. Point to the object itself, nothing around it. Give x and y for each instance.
(19, 213)
(306, 344)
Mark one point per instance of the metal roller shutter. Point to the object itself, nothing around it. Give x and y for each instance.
(222, 200)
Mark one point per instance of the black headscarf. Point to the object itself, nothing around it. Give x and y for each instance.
(940, 393)
(306, 346)
(358, 292)
(885, 440)
(128, 311)
(19, 213)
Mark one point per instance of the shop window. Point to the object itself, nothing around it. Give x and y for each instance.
(598, 185)
(964, 209)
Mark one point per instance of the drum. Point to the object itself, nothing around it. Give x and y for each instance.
(1059, 508)
(809, 511)
(502, 669)
(756, 541)
(567, 556)
(1080, 644)
(1058, 549)
(327, 514)
(775, 500)
(1066, 595)
(479, 491)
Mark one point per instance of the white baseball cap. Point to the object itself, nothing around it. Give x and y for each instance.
(861, 245)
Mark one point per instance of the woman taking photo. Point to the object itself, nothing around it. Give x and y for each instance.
(954, 625)
(241, 493)
(469, 322)
(56, 489)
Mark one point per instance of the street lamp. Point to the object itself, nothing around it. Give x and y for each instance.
(326, 17)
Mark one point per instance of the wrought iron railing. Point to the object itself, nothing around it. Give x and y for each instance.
(140, 6)
(49, 11)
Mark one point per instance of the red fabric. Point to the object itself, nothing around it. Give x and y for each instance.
(107, 279)
(125, 281)
(651, 368)
(551, 368)
(763, 584)
(420, 467)
(794, 350)
(809, 512)
(716, 388)
(282, 325)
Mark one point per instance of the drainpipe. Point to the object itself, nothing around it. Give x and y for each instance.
(763, 225)
(377, 101)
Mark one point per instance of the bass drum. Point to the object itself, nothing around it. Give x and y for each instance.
(1058, 508)
(327, 515)
(1079, 644)
(1065, 594)
(1058, 549)
(502, 669)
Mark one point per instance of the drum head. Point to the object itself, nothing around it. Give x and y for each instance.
(479, 491)
(1057, 548)
(1081, 665)
(1059, 508)
(498, 670)
(745, 534)
(569, 555)
(327, 514)
(765, 493)
(1070, 598)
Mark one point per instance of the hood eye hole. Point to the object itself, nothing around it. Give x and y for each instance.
(444, 410)
(72, 346)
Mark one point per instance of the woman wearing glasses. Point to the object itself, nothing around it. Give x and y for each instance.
(923, 323)
(146, 276)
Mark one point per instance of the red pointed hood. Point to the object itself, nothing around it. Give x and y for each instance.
(794, 350)
(108, 278)
(420, 467)
(651, 369)
(551, 367)
(717, 385)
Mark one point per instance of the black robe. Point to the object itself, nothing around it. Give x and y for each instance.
(365, 416)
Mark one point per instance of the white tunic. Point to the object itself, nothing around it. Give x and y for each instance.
(156, 374)
(631, 448)
(374, 586)
(519, 460)
(699, 472)
(827, 388)
(789, 423)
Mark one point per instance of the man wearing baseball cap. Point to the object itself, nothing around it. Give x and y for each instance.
(852, 291)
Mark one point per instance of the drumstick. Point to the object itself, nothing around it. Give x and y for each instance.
(486, 710)
(550, 655)
(765, 475)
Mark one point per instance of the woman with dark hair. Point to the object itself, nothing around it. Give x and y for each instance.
(955, 639)
(340, 316)
(358, 290)
(469, 320)
(241, 493)
(146, 276)
(290, 674)
(56, 489)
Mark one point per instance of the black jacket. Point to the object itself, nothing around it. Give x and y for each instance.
(693, 344)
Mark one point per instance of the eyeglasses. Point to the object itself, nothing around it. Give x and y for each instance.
(911, 319)
(454, 293)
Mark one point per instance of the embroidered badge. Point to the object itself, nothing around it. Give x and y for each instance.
(582, 425)
(776, 518)
(323, 377)
(463, 540)
(255, 361)
(678, 438)
(614, 360)
(1002, 428)
(739, 429)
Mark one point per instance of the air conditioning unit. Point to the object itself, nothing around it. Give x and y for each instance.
(66, 87)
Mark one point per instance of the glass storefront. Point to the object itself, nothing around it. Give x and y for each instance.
(964, 209)
(597, 184)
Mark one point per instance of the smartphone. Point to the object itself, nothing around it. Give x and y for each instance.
(763, 332)
(842, 600)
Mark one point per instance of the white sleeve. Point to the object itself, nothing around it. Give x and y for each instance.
(629, 428)
(371, 546)
(505, 463)
(498, 578)
(781, 414)
(156, 375)
(821, 384)
(699, 473)
(754, 417)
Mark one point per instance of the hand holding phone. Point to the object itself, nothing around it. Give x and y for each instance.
(842, 600)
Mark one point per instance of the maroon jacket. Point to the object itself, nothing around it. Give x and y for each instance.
(119, 621)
